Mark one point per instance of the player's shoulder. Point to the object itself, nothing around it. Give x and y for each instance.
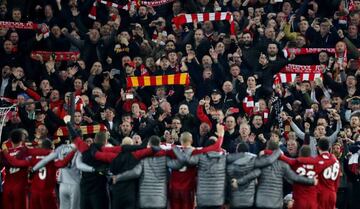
(6, 145)
(306, 160)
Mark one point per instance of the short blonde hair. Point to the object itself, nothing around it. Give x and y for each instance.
(186, 137)
(127, 141)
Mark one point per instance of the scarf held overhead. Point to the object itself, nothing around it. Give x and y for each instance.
(303, 51)
(202, 17)
(175, 79)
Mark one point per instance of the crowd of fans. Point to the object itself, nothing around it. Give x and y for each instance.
(233, 81)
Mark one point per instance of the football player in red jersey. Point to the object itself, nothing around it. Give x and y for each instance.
(44, 180)
(328, 178)
(16, 178)
(305, 196)
(15, 182)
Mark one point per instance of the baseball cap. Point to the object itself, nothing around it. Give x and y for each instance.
(215, 91)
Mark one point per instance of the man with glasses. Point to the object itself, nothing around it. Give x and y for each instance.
(189, 100)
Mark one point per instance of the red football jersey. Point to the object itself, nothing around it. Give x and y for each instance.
(13, 175)
(305, 196)
(45, 178)
(329, 177)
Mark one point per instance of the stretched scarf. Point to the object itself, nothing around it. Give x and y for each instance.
(303, 51)
(202, 17)
(90, 129)
(292, 68)
(174, 79)
(42, 28)
(291, 77)
(155, 3)
(58, 56)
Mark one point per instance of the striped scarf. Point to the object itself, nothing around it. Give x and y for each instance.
(202, 17)
(90, 129)
(174, 79)
(291, 77)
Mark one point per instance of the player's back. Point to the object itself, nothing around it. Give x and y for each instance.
(305, 166)
(45, 178)
(329, 177)
(14, 175)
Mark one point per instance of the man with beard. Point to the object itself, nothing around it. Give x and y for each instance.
(250, 53)
(270, 65)
(188, 120)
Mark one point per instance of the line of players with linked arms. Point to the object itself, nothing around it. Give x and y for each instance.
(239, 180)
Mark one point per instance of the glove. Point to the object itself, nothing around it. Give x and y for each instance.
(102, 171)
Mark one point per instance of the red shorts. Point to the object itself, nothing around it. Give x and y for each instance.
(43, 200)
(326, 200)
(305, 203)
(181, 199)
(14, 196)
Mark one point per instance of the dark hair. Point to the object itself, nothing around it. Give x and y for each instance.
(242, 147)
(16, 135)
(272, 145)
(323, 144)
(101, 138)
(46, 144)
(305, 151)
(154, 140)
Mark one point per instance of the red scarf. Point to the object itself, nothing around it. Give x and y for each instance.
(155, 3)
(59, 56)
(202, 17)
(304, 51)
(291, 77)
(248, 104)
(292, 68)
(42, 28)
(92, 13)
